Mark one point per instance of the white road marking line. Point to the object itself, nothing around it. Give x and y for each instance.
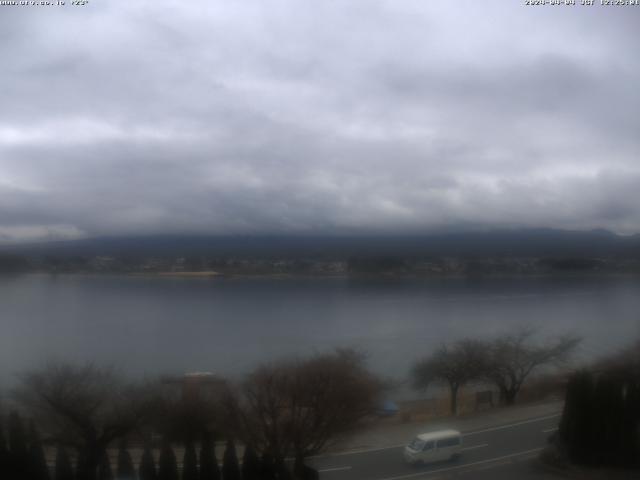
(363, 450)
(550, 430)
(336, 469)
(473, 447)
(501, 427)
(459, 467)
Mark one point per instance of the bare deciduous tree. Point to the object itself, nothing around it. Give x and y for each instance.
(183, 419)
(453, 365)
(86, 407)
(298, 407)
(513, 357)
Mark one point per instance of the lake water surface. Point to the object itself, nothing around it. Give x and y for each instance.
(151, 325)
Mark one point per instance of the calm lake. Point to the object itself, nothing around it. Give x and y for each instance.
(148, 325)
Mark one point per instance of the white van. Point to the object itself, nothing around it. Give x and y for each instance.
(434, 447)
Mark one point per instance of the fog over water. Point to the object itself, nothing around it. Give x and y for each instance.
(148, 325)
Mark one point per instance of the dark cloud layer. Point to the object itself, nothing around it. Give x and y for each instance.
(317, 117)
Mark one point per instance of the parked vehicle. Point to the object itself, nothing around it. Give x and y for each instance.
(434, 447)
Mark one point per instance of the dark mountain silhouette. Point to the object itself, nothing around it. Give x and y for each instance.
(494, 243)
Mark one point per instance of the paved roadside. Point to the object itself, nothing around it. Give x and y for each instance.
(490, 449)
(383, 434)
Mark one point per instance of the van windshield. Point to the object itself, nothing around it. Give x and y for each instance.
(416, 444)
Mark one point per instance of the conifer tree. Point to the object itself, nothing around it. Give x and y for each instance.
(82, 471)
(632, 420)
(575, 429)
(190, 462)
(250, 464)
(282, 471)
(18, 450)
(37, 465)
(230, 467)
(598, 426)
(63, 469)
(4, 450)
(607, 427)
(147, 468)
(209, 469)
(104, 468)
(125, 470)
(267, 467)
(167, 464)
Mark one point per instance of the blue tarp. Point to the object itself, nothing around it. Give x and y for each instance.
(388, 407)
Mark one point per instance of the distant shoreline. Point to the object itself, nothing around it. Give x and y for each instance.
(210, 274)
(202, 274)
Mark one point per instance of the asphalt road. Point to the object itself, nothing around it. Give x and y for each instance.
(501, 452)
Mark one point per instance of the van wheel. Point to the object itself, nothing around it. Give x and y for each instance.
(454, 457)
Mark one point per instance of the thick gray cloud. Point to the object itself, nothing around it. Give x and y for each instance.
(317, 117)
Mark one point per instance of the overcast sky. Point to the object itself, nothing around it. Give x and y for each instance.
(299, 116)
